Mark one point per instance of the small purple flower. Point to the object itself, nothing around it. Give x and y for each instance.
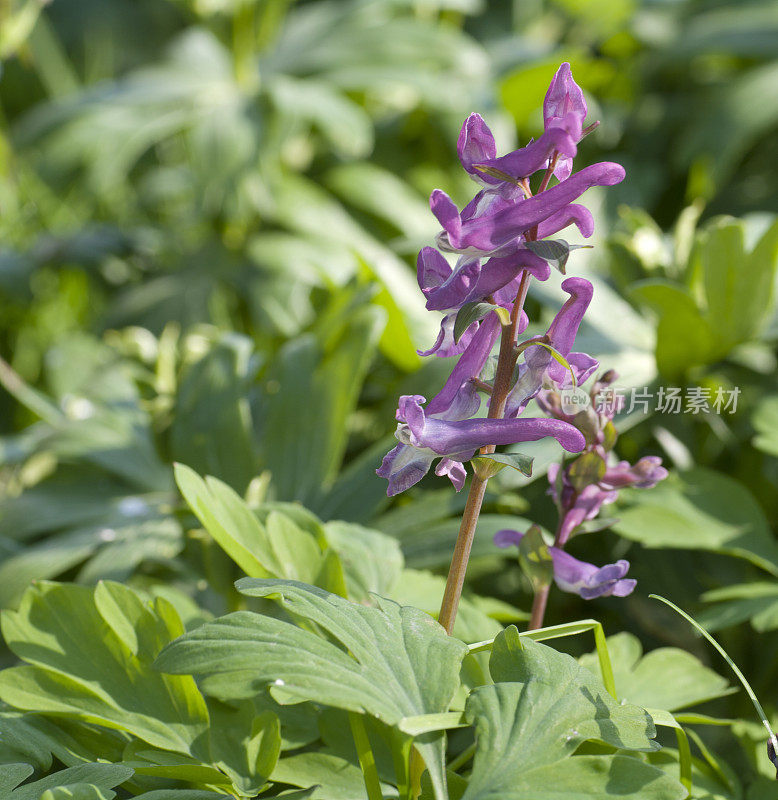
(564, 112)
(539, 365)
(645, 474)
(496, 217)
(579, 577)
(454, 435)
(470, 281)
(476, 145)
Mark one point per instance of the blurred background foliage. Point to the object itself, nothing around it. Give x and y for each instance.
(209, 214)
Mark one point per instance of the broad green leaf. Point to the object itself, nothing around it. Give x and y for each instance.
(271, 546)
(244, 745)
(757, 602)
(78, 791)
(399, 663)
(683, 337)
(667, 678)
(311, 390)
(424, 590)
(331, 777)
(372, 561)
(700, 509)
(83, 661)
(103, 777)
(542, 708)
(212, 427)
(765, 421)
(472, 312)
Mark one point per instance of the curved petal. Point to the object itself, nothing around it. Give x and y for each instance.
(403, 466)
(455, 470)
(431, 269)
(486, 232)
(476, 144)
(469, 365)
(450, 438)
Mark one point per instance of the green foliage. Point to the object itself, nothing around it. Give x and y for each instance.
(210, 213)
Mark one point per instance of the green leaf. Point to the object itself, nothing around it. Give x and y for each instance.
(78, 791)
(399, 662)
(683, 338)
(757, 602)
(541, 709)
(535, 559)
(279, 548)
(311, 390)
(587, 469)
(555, 251)
(330, 776)
(667, 678)
(244, 745)
(212, 429)
(101, 777)
(765, 422)
(700, 509)
(472, 312)
(517, 461)
(372, 561)
(84, 662)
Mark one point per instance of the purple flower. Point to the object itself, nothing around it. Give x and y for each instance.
(476, 145)
(645, 474)
(579, 577)
(564, 112)
(470, 281)
(454, 435)
(539, 365)
(495, 217)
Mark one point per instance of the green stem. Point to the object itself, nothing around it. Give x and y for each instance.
(366, 757)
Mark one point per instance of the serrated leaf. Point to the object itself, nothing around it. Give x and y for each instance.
(417, 671)
(541, 709)
(78, 665)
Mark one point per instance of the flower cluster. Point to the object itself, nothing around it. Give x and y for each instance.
(498, 240)
(583, 486)
(493, 236)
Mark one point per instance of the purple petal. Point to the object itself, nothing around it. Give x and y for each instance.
(563, 329)
(460, 287)
(404, 466)
(564, 96)
(449, 438)
(502, 221)
(583, 365)
(588, 580)
(445, 346)
(476, 144)
(455, 471)
(645, 474)
(508, 538)
(587, 505)
(574, 214)
(469, 365)
(431, 269)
